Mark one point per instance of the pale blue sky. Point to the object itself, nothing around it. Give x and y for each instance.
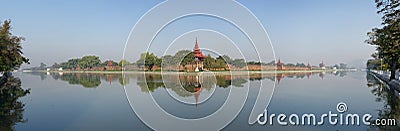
(300, 31)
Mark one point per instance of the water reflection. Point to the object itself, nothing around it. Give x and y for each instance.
(155, 80)
(87, 107)
(11, 109)
(389, 97)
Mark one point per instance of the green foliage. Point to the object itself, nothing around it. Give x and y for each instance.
(254, 63)
(105, 63)
(208, 62)
(70, 64)
(220, 62)
(10, 49)
(227, 59)
(123, 62)
(89, 61)
(149, 60)
(300, 65)
(386, 39)
(167, 60)
(123, 80)
(376, 64)
(11, 108)
(86, 80)
(42, 66)
(290, 64)
(389, 10)
(238, 63)
(56, 65)
(188, 59)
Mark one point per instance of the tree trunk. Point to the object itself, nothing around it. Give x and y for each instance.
(393, 68)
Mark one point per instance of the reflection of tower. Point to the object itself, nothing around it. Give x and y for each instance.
(110, 79)
(197, 90)
(198, 56)
(322, 74)
(279, 77)
(308, 75)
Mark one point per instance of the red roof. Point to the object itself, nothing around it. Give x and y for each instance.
(279, 63)
(196, 51)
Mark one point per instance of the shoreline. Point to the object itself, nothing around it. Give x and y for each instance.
(172, 72)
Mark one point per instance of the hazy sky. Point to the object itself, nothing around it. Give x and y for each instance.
(301, 31)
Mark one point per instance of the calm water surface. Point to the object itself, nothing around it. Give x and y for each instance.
(98, 101)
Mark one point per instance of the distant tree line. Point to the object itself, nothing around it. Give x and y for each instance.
(186, 57)
(85, 62)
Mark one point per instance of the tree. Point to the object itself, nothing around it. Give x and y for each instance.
(188, 59)
(389, 10)
(227, 59)
(300, 65)
(70, 64)
(11, 55)
(89, 61)
(343, 66)
(376, 64)
(179, 57)
(239, 63)
(387, 38)
(208, 62)
(290, 64)
(167, 60)
(123, 62)
(149, 60)
(387, 46)
(220, 62)
(56, 65)
(108, 62)
(42, 66)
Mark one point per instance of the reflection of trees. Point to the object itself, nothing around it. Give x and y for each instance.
(191, 82)
(86, 80)
(41, 74)
(91, 80)
(123, 80)
(11, 110)
(388, 96)
(188, 82)
(152, 81)
(340, 73)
